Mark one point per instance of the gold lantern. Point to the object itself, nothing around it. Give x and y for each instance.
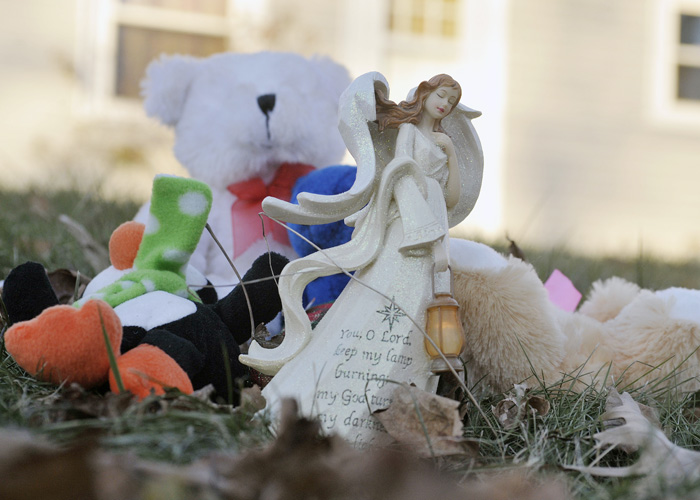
(444, 327)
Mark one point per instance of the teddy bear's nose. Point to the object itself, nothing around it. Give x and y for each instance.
(266, 102)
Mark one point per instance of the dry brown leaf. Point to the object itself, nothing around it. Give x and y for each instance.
(428, 424)
(192, 402)
(252, 399)
(300, 463)
(658, 458)
(63, 284)
(73, 402)
(519, 407)
(204, 394)
(614, 400)
(507, 413)
(32, 468)
(303, 463)
(515, 485)
(260, 335)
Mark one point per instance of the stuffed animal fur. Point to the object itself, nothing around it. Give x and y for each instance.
(621, 334)
(242, 122)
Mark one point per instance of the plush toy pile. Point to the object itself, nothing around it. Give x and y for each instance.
(159, 327)
(252, 125)
(155, 307)
(248, 125)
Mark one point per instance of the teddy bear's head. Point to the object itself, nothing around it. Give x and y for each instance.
(238, 116)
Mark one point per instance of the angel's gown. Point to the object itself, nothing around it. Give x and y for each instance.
(368, 340)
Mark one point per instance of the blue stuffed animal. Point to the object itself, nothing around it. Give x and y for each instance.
(330, 180)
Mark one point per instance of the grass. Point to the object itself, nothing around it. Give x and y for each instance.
(30, 228)
(182, 429)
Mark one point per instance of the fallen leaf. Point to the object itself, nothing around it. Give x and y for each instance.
(507, 412)
(262, 337)
(31, 468)
(73, 402)
(303, 463)
(520, 407)
(204, 394)
(428, 424)
(516, 485)
(300, 463)
(252, 399)
(614, 400)
(199, 400)
(658, 458)
(63, 282)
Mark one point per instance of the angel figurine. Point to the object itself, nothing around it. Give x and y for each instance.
(419, 170)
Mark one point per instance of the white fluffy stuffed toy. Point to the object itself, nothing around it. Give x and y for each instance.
(248, 125)
(620, 334)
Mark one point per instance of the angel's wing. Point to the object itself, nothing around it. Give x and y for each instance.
(470, 156)
(357, 108)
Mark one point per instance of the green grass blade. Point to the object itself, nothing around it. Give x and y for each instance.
(110, 354)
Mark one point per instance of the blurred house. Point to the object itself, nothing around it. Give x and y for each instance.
(591, 124)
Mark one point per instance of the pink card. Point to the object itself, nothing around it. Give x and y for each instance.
(562, 291)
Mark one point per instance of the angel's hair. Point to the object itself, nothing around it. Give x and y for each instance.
(391, 115)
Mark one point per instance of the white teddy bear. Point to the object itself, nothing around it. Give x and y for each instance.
(620, 334)
(248, 125)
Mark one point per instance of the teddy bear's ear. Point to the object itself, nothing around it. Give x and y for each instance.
(334, 76)
(165, 86)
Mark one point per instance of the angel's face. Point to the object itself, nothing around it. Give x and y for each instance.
(440, 102)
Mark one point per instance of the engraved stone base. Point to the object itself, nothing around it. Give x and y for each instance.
(362, 347)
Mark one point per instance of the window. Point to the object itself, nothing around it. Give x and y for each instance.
(148, 28)
(688, 81)
(119, 38)
(424, 18)
(674, 72)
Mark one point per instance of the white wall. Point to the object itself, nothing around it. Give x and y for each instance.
(37, 83)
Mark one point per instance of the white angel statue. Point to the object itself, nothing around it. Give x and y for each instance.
(419, 170)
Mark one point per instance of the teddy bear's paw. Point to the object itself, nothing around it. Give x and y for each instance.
(147, 370)
(608, 297)
(67, 344)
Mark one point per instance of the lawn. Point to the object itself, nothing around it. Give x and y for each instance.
(172, 436)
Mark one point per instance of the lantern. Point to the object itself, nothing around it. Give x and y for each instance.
(444, 327)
